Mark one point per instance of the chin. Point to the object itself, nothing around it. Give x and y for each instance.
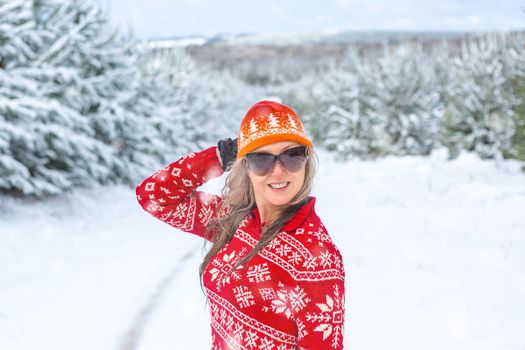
(280, 199)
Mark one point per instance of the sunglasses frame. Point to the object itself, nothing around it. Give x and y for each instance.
(276, 158)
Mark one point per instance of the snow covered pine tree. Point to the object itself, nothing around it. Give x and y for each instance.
(70, 109)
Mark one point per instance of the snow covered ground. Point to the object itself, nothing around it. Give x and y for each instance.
(434, 253)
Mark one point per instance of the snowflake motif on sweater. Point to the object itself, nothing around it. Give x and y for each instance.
(288, 296)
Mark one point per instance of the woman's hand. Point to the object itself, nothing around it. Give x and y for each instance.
(227, 152)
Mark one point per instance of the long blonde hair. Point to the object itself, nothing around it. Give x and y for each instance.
(239, 200)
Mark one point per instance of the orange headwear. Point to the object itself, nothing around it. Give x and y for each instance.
(268, 122)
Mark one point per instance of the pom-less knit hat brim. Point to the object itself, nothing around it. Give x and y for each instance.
(268, 122)
(269, 139)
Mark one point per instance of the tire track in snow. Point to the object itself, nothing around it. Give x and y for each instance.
(131, 338)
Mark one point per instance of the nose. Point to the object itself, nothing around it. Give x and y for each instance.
(278, 168)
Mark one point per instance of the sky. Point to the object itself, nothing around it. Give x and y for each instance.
(176, 18)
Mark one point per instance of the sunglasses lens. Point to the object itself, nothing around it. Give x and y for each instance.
(294, 158)
(260, 163)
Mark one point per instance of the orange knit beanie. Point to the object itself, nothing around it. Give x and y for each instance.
(267, 122)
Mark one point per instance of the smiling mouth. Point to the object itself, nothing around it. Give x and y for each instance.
(279, 186)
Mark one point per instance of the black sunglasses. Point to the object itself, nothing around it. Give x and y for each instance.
(261, 163)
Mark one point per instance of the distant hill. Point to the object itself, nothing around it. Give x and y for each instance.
(331, 37)
(256, 58)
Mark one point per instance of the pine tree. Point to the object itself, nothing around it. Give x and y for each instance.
(410, 101)
(40, 134)
(206, 105)
(346, 129)
(403, 102)
(69, 103)
(515, 71)
(478, 110)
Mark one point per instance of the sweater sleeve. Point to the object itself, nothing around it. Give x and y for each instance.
(170, 194)
(320, 325)
(319, 311)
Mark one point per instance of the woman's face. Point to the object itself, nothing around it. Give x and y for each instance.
(265, 195)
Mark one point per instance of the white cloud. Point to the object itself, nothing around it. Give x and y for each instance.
(475, 20)
(344, 4)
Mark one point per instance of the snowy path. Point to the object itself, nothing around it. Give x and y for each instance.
(433, 252)
(133, 335)
(83, 277)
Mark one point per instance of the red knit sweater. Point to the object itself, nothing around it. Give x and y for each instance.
(291, 295)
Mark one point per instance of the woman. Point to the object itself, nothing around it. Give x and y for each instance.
(273, 276)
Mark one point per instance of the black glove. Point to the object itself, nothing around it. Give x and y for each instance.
(228, 151)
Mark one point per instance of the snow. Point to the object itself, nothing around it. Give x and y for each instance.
(433, 254)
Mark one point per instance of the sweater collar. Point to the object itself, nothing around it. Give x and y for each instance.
(296, 220)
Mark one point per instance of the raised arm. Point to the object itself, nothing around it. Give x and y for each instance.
(171, 195)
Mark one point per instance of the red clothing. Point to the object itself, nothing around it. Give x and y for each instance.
(291, 294)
